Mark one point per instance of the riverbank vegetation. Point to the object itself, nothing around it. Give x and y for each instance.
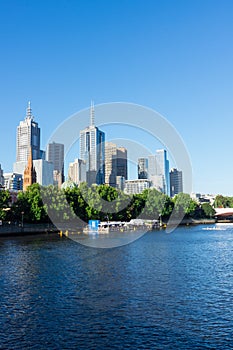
(97, 202)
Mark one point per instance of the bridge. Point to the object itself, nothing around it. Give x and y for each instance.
(223, 212)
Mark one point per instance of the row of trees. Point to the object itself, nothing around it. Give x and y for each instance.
(223, 202)
(39, 204)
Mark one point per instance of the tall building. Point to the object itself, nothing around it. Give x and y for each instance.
(163, 169)
(115, 163)
(122, 162)
(28, 138)
(92, 151)
(152, 165)
(13, 181)
(44, 172)
(143, 168)
(77, 171)
(55, 154)
(158, 171)
(1, 177)
(176, 182)
(110, 163)
(29, 176)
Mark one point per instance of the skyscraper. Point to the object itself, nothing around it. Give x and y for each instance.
(176, 182)
(77, 171)
(92, 151)
(143, 168)
(28, 136)
(158, 171)
(163, 169)
(115, 163)
(1, 177)
(122, 162)
(110, 163)
(28, 140)
(55, 154)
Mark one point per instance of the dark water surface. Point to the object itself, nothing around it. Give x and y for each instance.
(164, 291)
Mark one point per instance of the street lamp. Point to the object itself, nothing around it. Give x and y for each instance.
(22, 213)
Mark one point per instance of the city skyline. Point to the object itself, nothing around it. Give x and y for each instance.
(101, 160)
(173, 58)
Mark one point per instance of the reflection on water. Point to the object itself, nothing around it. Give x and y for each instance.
(162, 291)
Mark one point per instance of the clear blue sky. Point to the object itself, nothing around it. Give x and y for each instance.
(173, 56)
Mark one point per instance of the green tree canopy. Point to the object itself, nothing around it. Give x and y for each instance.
(4, 203)
(208, 210)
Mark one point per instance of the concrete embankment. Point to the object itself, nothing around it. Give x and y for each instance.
(7, 230)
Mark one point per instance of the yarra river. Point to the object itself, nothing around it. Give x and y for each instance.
(163, 291)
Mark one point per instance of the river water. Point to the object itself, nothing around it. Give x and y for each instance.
(163, 291)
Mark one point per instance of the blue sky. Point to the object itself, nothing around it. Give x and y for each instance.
(172, 56)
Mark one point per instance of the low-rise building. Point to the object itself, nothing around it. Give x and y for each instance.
(136, 186)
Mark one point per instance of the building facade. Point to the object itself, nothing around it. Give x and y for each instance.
(13, 181)
(92, 151)
(44, 172)
(176, 182)
(143, 168)
(163, 169)
(55, 155)
(115, 163)
(29, 175)
(122, 162)
(27, 140)
(158, 171)
(77, 171)
(136, 186)
(1, 177)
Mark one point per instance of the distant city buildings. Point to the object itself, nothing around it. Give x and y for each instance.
(1, 177)
(28, 138)
(29, 175)
(77, 171)
(156, 169)
(92, 151)
(176, 182)
(115, 164)
(44, 172)
(100, 162)
(120, 183)
(203, 198)
(13, 181)
(143, 168)
(136, 186)
(55, 155)
(163, 169)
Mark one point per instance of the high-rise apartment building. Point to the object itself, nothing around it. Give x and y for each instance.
(92, 151)
(28, 140)
(176, 182)
(55, 155)
(143, 168)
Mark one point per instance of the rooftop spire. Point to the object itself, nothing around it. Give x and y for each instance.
(29, 111)
(92, 114)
